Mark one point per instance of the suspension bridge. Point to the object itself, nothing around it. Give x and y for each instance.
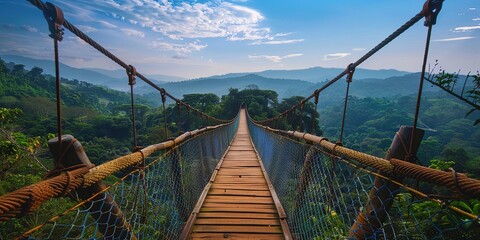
(246, 179)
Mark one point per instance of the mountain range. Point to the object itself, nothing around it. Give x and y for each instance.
(114, 79)
(318, 74)
(287, 83)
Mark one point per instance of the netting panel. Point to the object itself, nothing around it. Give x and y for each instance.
(155, 201)
(323, 195)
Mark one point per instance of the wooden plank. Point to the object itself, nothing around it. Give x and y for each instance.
(237, 236)
(238, 205)
(236, 229)
(237, 192)
(239, 199)
(241, 171)
(244, 186)
(238, 210)
(238, 180)
(230, 221)
(237, 215)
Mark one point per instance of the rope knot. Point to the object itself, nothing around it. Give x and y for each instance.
(54, 17)
(131, 72)
(163, 95)
(350, 71)
(430, 10)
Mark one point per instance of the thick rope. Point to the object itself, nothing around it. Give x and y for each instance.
(460, 183)
(374, 50)
(29, 198)
(457, 182)
(42, 6)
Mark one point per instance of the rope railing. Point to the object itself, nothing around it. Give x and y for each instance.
(128, 68)
(325, 187)
(175, 172)
(429, 11)
(29, 198)
(457, 182)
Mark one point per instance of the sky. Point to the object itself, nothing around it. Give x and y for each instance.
(200, 38)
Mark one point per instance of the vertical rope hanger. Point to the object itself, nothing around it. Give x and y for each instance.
(179, 106)
(350, 71)
(430, 10)
(132, 72)
(314, 117)
(302, 108)
(54, 17)
(164, 99)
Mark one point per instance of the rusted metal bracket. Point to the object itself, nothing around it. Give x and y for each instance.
(54, 17)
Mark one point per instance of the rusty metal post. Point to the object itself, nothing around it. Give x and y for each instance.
(383, 193)
(110, 219)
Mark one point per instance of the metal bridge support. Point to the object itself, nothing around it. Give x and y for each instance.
(110, 219)
(383, 193)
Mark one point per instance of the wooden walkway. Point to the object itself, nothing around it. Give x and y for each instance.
(238, 202)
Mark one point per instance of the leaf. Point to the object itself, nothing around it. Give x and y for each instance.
(476, 209)
(464, 206)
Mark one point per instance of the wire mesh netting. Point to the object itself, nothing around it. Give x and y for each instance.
(323, 196)
(153, 201)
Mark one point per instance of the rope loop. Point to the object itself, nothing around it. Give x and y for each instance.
(131, 72)
(317, 94)
(350, 71)
(163, 95)
(430, 10)
(54, 17)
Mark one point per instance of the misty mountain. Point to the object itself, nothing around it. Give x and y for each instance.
(318, 74)
(284, 87)
(119, 73)
(105, 78)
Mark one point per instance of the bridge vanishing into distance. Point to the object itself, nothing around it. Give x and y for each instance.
(246, 179)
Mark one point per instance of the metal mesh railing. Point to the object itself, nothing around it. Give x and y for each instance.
(154, 199)
(323, 196)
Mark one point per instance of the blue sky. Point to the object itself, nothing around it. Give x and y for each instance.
(201, 38)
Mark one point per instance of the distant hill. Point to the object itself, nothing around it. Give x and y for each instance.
(119, 73)
(284, 87)
(110, 79)
(318, 74)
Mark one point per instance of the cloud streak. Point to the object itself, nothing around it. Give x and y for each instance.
(277, 42)
(333, 56)
(453, 39)
(466, 28)
(274, 58)
(177, 47)
(133, 32)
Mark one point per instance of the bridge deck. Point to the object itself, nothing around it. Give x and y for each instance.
(239, 203)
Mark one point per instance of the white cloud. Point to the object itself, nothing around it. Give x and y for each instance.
(472, 9)
(453, 39)
(87, 29)
(107, 24)
(476, 19)
(178, 48)
(333, 56)
(277, 42)
(191, 19)
(133, 32)
(29, 28)
(466, 28)
(359, 49)
(274, 58)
